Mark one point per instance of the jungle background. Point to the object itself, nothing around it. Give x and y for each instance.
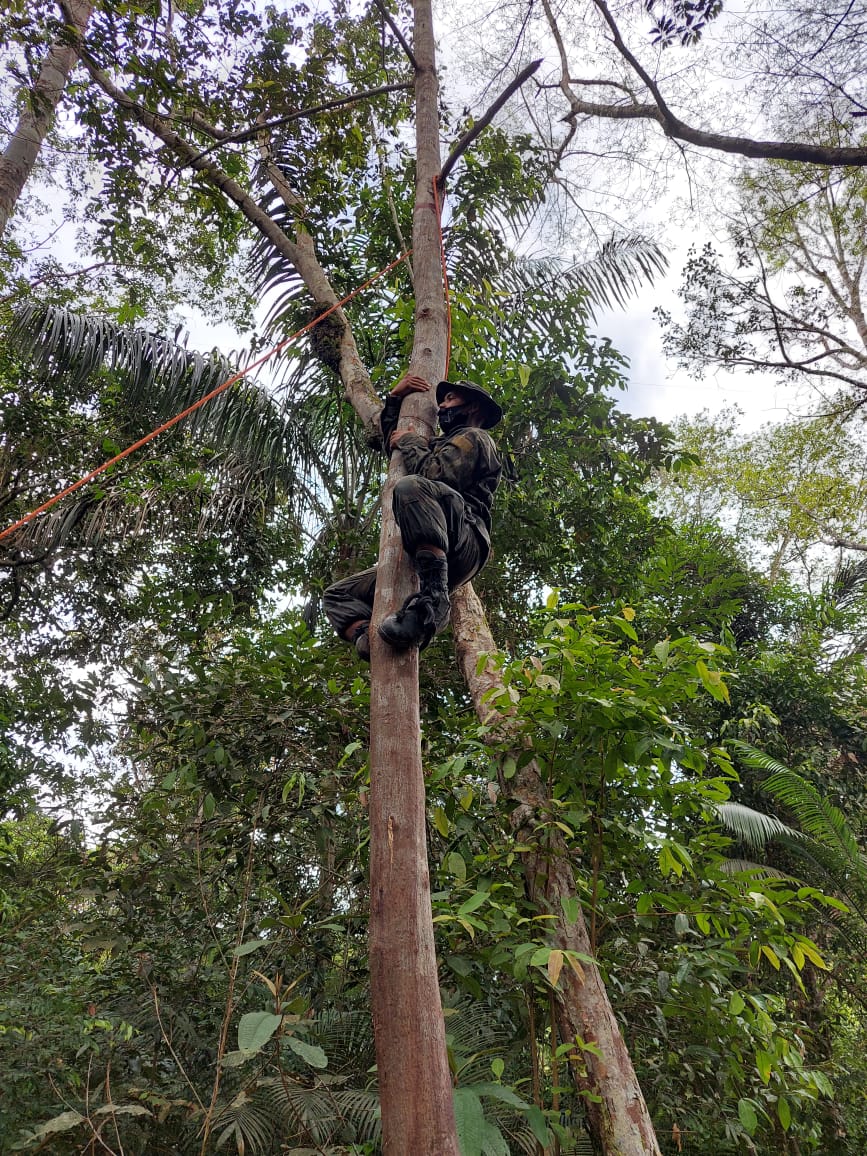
(679, 606)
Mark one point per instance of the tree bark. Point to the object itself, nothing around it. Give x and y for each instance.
(620, 1121)
(415, 1086)
(21, 152)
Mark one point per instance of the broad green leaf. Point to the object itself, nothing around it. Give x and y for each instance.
(469, 1121)
(309, 1053)
(771, 956)
(440, 821)
(62, 1123)
(255, 1029)
(571, 908)
(456, 865)
(764, 1064)
(736, 1003)
(536, 1120)
(712, 681)
(812, 953)
(784, 1113)
(502, 1093)
(747, 1116)
(474, 902)
(248, 947)
(498, 1066)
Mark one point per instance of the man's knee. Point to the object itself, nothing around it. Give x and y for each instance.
(409, 488)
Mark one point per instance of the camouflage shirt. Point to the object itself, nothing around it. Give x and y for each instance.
(466, 460)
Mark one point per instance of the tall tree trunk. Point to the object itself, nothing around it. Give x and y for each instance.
(620, 1121)
(20, 154)
(412, 1064)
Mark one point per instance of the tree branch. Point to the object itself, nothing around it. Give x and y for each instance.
(300, 253)
(677, 129)
(248, 134)
(399, 36)
(467, 139)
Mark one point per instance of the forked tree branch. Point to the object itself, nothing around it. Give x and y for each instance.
(802, 151)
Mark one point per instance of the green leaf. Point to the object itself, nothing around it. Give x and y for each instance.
(474, 902)
(440, 821)
(209, 805)
(456, 866)
(747, 1116)
(62, 1123)
(784, 1113)
(248, 947)
(469, 1121)
(536, 1120)
(493, 1142)
(498, 1066)
(713, 682)
(502, 1093)
(571, 908)
(764, 1065)
(309, 1053)
(255, 1029)
(736, 1003)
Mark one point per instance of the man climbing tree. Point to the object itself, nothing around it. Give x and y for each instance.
(443, 511)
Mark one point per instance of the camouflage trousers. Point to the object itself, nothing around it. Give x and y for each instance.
(427, 513)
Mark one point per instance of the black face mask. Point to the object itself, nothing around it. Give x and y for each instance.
(453, 417)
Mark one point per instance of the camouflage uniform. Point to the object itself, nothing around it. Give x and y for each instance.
(445, 501)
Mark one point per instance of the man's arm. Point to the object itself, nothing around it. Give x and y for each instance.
(390, 415)
(452, 461)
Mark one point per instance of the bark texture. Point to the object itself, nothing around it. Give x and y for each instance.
(620, 1122)
(21, 152)
(415, 1085)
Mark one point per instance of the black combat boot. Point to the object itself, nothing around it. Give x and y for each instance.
(361, 641)
(425, 614)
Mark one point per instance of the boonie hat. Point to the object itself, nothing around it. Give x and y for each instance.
(492, 414)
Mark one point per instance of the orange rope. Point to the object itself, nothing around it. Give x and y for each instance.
(196, 405)
(445, 276)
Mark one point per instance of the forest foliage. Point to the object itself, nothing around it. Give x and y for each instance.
(679, 615)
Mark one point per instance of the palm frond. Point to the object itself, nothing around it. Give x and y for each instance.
(816, 815)
(157, 379)
(759, 870)
(848, 583)
(248, 1122)
(622, 266)
(754, 828)
(618, 271)
(324, 1113)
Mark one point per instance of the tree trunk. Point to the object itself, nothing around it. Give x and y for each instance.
(620, 1122)
(20, 155)
(414, 1082)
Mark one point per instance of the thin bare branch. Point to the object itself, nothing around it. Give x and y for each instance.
(398, 35)
(482, 123)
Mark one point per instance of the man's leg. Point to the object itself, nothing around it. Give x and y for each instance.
(436, 535)
(349, 605)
